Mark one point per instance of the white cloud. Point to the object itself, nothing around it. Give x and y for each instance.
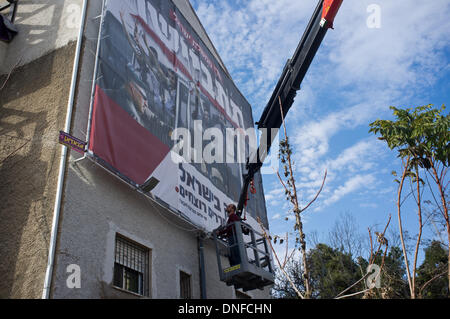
(355, 183)
(255, 39)
(276, 216)
(403, 52)
(273, 195)
(345, 172)
(361, 156)
(368, 205)
(312, 139)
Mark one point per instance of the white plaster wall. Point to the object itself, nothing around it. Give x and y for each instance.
(44, 25)
(97, 206)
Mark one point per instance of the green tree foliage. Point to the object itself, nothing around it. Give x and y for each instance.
(393, 275)
(282, 288)
(431, 275)
(393, 280)
(421, 133)
(332, 271)
(421, 138)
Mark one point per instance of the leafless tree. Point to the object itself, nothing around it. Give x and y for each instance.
(289, 184)
(345, 236)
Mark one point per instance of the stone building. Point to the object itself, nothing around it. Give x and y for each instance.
(53, 197)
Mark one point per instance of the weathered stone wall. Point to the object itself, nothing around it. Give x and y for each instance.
(32, 111)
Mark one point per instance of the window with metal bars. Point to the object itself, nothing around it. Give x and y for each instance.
(185, 285)
(131, 266)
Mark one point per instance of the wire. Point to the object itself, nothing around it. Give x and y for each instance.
(151, 200)
(169, 221)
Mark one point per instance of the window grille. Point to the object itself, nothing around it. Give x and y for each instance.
(131, 267)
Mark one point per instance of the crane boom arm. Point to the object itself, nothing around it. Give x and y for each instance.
(289, 83)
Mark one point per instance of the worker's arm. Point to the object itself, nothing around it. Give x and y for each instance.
(226, 230)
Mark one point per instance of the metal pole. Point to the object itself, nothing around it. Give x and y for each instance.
(14, 11)
(62, 162)
(201, 262)
(94, 79)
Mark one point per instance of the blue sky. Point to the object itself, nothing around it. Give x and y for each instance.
(357, 74)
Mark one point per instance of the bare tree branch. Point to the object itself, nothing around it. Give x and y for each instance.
(371, 261)
(278, 261)
(430, 281)
(297, 211)
(317, 195)
(354, 294)
(400, 225)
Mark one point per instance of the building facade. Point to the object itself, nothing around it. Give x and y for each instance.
(106, 239)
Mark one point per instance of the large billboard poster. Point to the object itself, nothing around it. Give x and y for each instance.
(166, 117)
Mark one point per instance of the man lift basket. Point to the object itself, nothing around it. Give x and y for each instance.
(254, 268)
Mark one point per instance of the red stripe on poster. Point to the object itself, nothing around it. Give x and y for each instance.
(122, 142)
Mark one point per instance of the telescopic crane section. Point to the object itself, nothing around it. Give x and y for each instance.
(289, 83)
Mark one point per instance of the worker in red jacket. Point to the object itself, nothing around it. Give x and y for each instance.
(228, 232)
